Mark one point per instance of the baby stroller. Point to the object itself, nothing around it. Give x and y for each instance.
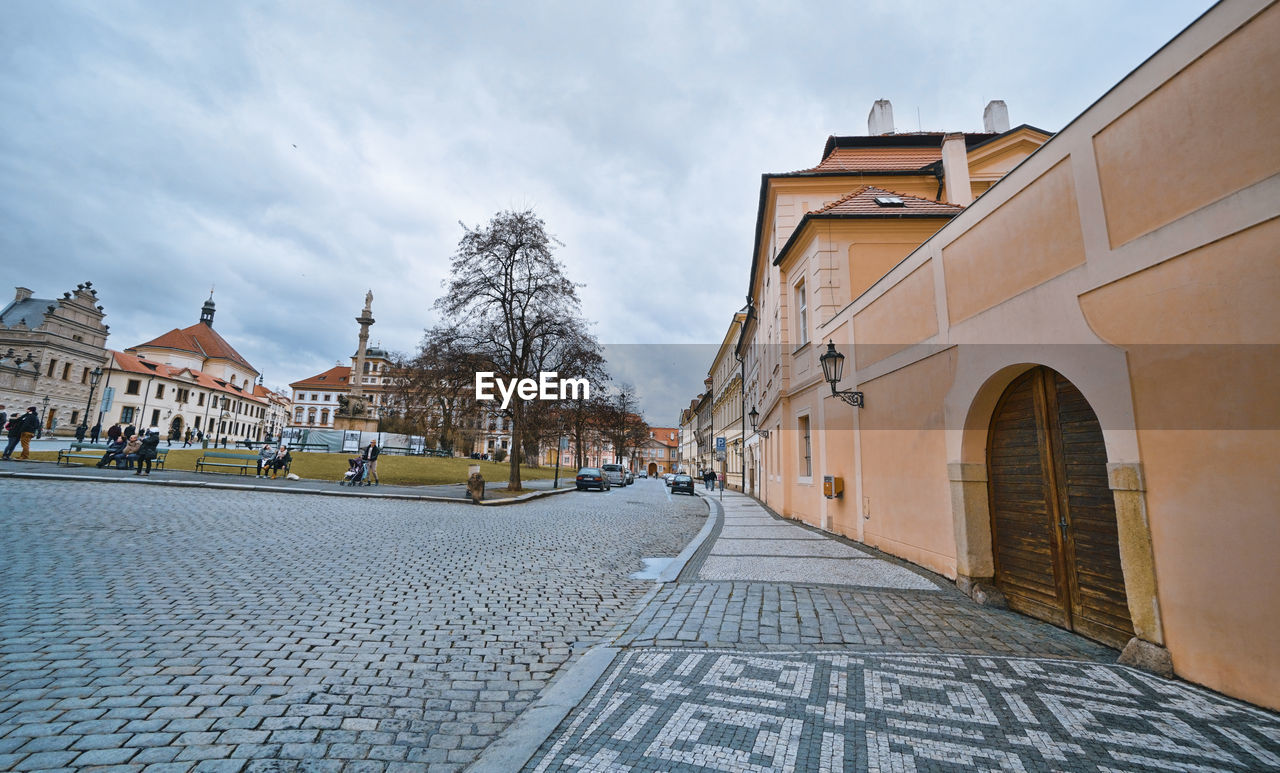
(354, 473)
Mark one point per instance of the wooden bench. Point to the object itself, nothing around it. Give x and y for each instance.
(95, 451)
(242, 462)
(92, 451)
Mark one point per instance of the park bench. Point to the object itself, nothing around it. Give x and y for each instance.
(95, 451)
(396, 450)
(321, 447)
(242, 462)
(92, 451)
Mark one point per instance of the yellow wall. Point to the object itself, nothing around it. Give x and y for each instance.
(1031, 238)
(1205, 385)
(903, 315)
(1172, 142)
(904, 463)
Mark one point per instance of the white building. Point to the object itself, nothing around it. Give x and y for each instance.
(315, 399)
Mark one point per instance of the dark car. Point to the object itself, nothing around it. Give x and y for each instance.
(592, 477)
(682, 483)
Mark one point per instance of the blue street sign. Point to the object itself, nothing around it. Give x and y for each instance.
(719, 444)
(108, 397)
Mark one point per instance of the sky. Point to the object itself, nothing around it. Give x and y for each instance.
(292, 155)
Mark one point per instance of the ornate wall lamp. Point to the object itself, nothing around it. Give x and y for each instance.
(832, 369)
(755, 419)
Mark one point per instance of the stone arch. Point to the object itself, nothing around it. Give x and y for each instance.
(1100, 372)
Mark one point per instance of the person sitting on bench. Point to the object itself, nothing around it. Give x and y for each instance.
(115, 449)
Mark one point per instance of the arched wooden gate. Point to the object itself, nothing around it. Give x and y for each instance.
(1053, 519)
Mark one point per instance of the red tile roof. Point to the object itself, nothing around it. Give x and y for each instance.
(876, 160)
(129, 363)
(198, 339)
(660, 434)
(336, 377)
(863, 202)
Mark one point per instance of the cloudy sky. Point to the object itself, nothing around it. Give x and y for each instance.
(296, 154)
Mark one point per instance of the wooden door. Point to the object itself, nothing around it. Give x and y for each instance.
(1055, 542)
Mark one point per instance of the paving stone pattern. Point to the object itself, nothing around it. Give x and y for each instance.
(662, 710)
(176, 630)
(827, 670)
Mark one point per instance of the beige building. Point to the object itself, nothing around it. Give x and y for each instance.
(1069, 383)
(726, 406)
(189, 379)
(48, 349)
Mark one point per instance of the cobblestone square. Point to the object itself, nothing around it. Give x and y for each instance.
(223, 631)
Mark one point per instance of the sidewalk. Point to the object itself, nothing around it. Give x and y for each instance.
(452, 492)
(779, 647)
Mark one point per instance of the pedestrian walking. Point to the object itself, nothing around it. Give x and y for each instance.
(147, 451)
(4, 417)
(95, 432)
(265, 455)
(14, 428)
(28, 426)
(114, 432)
(370, 457)
(186, 439)
(80, 432)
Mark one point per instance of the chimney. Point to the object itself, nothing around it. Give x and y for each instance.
(880, 120)
(955, 169)
(20, 294)
(995, 118)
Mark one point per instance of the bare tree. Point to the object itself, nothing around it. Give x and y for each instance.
(621, 422)
(434, 392)
(509, 299)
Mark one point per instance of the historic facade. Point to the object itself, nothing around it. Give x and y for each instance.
(726, 406)
(189, 379)
(48, 350)
(315, 398)
(1063, 352)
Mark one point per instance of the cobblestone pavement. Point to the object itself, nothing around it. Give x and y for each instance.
(181, 629)
(808, 666)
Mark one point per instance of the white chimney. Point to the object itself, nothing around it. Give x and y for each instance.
(955, 169)
(995, 118)
(20, 294)
(880, 120)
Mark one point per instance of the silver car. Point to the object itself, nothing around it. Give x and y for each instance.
(616, 474)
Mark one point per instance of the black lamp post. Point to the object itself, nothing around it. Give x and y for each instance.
(45, 421)
(755, 419)
(832, 369)
(94, 376)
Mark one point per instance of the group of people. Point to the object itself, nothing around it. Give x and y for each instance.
(709, 478)
(21, 428)
(272, 460)
(129, 450)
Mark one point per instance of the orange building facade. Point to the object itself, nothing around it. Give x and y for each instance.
(1067, 352)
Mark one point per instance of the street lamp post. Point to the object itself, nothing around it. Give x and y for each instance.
(44, 421)
(94, 376)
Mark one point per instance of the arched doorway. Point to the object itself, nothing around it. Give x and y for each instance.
(1053, 518)
(175, 429)
(653, 469)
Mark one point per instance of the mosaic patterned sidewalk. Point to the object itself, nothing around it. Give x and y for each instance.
(712, 710)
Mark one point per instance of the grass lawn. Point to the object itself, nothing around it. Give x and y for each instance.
(392, 470)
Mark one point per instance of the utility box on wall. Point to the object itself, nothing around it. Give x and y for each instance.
(832, 486)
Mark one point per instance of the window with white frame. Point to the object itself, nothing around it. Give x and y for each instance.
(806, 448)
(802, 315)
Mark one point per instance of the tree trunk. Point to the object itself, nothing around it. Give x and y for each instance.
(517, 426)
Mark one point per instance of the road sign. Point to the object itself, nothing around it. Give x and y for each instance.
(108, 397)
(720, 444)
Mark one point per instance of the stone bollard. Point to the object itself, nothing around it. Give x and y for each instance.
(475, 484)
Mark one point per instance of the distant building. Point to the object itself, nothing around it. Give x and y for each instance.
(315, 398)
(48, 347)
(657, 455)
(190, 379)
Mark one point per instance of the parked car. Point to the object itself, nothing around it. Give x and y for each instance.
(667, 478)
(682, 483)
(644, 474)
(631, 477)
(616, 474)
(592, 477)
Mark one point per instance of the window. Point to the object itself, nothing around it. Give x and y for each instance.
(806, 461)
(297, 416)
(84, 377)
(802, 316)
(52, 364)
(183, 395)
(75, 417)
(324, 416)
(197, 422)
(159, 391)
(200, 399)
(314, 397)
(327, 397)
(155, 417)
(311, 415)
(132, 388)
(66, 371)
(126, 414)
